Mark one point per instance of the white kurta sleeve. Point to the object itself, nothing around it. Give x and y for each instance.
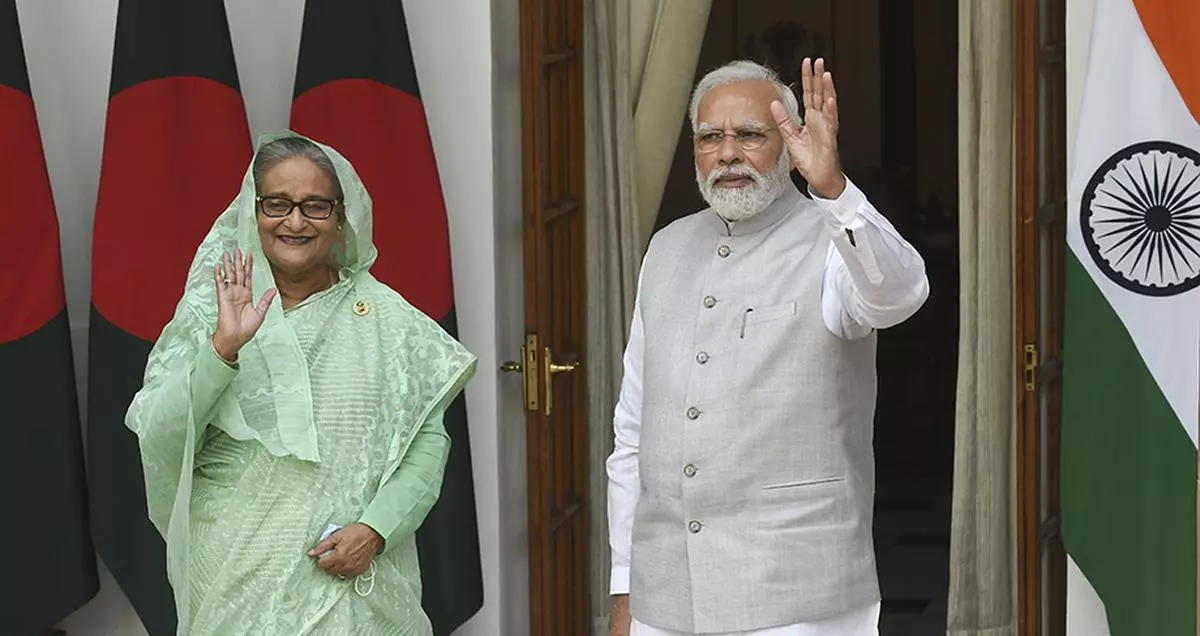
(874, 279)
(624, 482)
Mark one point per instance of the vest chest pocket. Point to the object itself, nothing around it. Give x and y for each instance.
(767, 313)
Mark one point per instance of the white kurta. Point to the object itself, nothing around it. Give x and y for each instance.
(873, 279)
(860, 622)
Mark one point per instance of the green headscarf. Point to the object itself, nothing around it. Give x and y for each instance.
(270, 401)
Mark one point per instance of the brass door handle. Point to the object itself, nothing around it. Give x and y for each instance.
(552, 369)
(562, 368)
(528, 368)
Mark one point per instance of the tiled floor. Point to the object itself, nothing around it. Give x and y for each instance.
(912, 544)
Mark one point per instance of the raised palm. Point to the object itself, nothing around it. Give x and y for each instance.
(814, 148)
(238, 317)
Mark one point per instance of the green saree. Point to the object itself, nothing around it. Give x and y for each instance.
(332, 415)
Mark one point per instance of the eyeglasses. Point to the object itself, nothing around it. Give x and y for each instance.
(745, 138)
(315, 209)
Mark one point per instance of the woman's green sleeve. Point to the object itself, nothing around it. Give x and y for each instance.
(400, 506)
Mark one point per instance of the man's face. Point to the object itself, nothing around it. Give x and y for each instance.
(732, 108)
(742, 172)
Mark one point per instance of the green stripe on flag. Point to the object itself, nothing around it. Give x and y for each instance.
(1128, 473)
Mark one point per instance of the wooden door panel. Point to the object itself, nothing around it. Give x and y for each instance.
(556, 424)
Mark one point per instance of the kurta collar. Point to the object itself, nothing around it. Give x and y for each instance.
(781, 207)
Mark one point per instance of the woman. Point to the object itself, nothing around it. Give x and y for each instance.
(263, 423)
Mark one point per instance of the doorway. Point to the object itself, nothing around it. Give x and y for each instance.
(897, 88)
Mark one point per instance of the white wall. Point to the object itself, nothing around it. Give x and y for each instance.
(68, 47)
(510, 313)
(1085, 611)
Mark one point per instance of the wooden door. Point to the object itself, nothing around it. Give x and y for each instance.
(1041, 251)
(553, 352)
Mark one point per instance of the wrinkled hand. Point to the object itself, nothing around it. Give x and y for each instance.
(354, 547)
(238, 318)
(620, 622)
(813, 148)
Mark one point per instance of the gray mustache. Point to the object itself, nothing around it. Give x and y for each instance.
(733, 172)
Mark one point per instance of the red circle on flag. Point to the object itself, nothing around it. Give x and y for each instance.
(382, 131)
(175, 150)
(31, 288)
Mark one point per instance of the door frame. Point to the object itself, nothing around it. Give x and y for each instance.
(1040, 233)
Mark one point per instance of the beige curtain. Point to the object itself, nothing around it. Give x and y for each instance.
(640, 59)
(614, 246)
(982, 547)
(666, 36)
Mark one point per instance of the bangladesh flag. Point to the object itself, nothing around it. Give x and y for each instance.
(176, 145)
(356, 90)
(43, 498)
(1132, 348)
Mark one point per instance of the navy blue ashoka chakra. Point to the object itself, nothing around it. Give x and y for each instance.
(1140, 218)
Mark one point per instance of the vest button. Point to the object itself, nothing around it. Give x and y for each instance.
(709, 302)
(702, 357)
(693, 413)
(723, 251)
(694, 527)
(689, 470)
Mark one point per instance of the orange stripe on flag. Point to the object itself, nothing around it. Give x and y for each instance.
(1174, 28)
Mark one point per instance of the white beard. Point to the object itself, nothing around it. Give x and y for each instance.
(739, 204)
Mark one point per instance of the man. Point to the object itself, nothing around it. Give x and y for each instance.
(741, 486)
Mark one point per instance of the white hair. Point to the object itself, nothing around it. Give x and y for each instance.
(742, 71)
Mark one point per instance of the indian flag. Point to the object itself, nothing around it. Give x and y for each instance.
(1131, 372)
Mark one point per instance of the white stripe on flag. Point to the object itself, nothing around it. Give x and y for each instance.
(1129, 98)
(1085, 610)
